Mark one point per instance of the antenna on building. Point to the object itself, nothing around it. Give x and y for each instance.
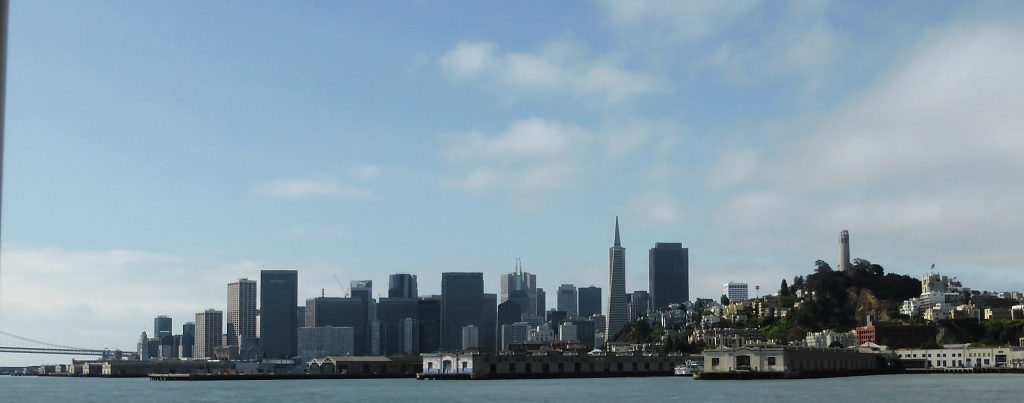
(321, 293)
(342, 287)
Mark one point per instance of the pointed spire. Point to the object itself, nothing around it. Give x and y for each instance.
(617, 231)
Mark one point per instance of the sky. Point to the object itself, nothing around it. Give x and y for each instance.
(156, 151)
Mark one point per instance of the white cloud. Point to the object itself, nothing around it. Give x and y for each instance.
(733, 167)
(655, 208)
(365, 172)
(556, 68)
(666, 22)
(299, 188)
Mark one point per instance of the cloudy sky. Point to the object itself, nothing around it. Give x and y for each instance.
(156, 151)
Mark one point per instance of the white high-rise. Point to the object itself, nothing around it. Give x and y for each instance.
(844, 250)
(242, 314)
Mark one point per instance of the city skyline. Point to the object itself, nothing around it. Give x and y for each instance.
(212, 141)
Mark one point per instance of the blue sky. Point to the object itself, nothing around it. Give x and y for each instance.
(158, 150)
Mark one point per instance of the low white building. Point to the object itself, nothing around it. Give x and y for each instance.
(963, 356)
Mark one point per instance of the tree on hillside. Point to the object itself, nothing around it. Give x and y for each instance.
(822, 266)
(724, 300)
(784, 289)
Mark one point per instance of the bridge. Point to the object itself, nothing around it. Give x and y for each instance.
(41, 347)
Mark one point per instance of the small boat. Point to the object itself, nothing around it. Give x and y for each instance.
(687, 368)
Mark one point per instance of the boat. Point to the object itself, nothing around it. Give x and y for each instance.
(687, 368)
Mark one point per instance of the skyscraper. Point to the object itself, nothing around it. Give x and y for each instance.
(489, 323)
(428, 312)
(161, 327)
(392, 313)
(279, 291)
(669, 274)
(340, 312)
(209, 324)
(242, 316)
(844, 250)
(736, 292)
(402, 285)
(521, 287)
(566, 300)
(461, 297)
(617, 310)
(639, 304)
(363, 291)
(589, 301)
(188, 340)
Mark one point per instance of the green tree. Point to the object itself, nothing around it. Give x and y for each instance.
(784, 289)
(725, 300)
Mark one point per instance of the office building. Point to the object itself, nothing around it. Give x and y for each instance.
(737, 292)
(209, 325)
(514, 333)
(489, 323)
(363, 291)
(320, 342)
(461, 297)
(470, 337)
(521, 287)
(340, 312)
(639, 304)
(618, 311)
(567, 332)
(565, 300)
(242, 317)
(585, 332)
(391, 313)
(161, 326)
(589, 301)
(410, 337)
(508, 313)
(428, 312)
(402, 285)
(188, 340)
(669, 274)
(278, 313)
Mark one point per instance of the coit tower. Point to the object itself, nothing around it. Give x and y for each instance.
(844, 250)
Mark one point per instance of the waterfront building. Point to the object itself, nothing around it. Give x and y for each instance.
(513, 333)
(316, 342)
(618, 312)
(242, 317)
(486, 366)
(278, 313)
(470, 337)
(639, 304)
(669, 274)
(726, 337)
(340, 312)
(402, 285)
(428, 312)
(566, 300)
(737, 292)
(844, 250)
(208, 332)
(589, 301)
(962, 356)
(802, 361)
(461, 297)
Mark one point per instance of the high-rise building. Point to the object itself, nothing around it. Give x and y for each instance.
(410, 337)
(521, 287)
(242, 316)
(737, 292)
(279, 291)
(340, 312)
(428, 311)
(509, 313)
(188, 340)
(542, 302)
(392, 312)
(209, 325)
(567, 332)
(470, 337)
(585, 332)
(639, 304)
(618, 312)
(161, 326)
(565, 300)
(363, 291)
(669, 274)
(461, 295)
(844, 250)
(402, 285)
(517, 332)
(488, 323)
(589, 301)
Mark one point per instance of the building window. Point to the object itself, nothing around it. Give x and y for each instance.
(714, 362)
(771, 361)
